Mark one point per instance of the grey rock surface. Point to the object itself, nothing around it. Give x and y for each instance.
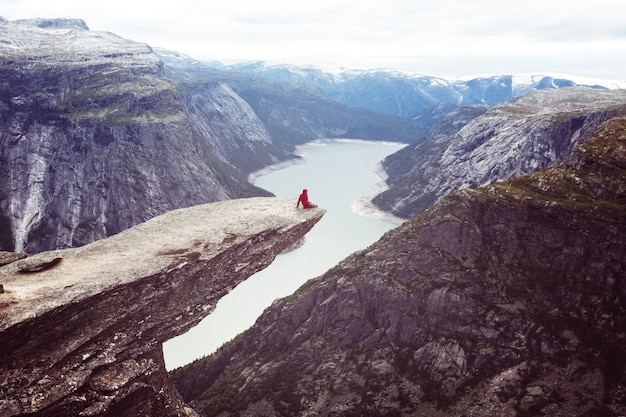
(8, 257)
(39, 262)
(513, 138)
(83, 337)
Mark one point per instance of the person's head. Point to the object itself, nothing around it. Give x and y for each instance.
(304, 191)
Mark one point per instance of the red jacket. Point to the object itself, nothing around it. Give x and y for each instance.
(304, 199)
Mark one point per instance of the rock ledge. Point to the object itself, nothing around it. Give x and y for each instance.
(83, 337)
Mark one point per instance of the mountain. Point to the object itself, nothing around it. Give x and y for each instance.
(506, 300)
(501, 299)
(472, 147)
(94, 138)
(98, 133)
(82, 328)
(403, 94)
(295, 112)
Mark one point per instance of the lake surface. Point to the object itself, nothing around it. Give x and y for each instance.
(341, 176)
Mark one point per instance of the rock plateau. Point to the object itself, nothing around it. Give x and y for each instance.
(82, 336)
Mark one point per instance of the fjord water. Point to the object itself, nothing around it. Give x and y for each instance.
(340, 175)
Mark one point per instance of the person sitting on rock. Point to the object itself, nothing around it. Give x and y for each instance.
(304, 199)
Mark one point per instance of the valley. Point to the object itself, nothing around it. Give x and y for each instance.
(126, 214)
(339, 186)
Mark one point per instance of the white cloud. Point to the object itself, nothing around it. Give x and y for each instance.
(443, 37)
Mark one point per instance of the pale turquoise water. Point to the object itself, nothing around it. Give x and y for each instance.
(339, 175)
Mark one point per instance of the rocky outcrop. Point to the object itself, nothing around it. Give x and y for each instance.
(94, 138)
(505, 300)
(82, 336)
(517, 137)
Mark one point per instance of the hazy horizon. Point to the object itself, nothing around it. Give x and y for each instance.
(448, 39)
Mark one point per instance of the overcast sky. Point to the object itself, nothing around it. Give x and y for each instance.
(448, 38)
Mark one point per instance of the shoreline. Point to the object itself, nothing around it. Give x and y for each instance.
(363, 206)
(297, 160)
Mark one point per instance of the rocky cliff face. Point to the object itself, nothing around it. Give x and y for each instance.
(94, 138)
(505, 300)
(513, 138)
(82, 328)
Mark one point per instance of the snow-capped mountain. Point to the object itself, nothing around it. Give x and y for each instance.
(408, 95)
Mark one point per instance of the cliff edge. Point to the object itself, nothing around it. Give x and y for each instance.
(82, 328)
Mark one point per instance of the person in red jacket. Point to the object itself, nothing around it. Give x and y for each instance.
(304, 199)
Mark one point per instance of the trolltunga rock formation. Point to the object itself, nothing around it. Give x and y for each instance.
(83, 335)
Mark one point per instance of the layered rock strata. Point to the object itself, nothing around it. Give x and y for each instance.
(506, 300)
(83, 335)
(94, 138)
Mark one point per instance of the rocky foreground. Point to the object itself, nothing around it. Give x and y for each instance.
(506, 300)
(81, 329)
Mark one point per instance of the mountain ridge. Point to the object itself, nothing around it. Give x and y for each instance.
(516, 137)
(407, 94)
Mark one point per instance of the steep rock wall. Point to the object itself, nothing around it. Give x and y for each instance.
(217, 111)
(513, 138)
(83, 336)
(94, 138)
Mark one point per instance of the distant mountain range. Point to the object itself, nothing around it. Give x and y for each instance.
(403, 94)
(421, 98)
